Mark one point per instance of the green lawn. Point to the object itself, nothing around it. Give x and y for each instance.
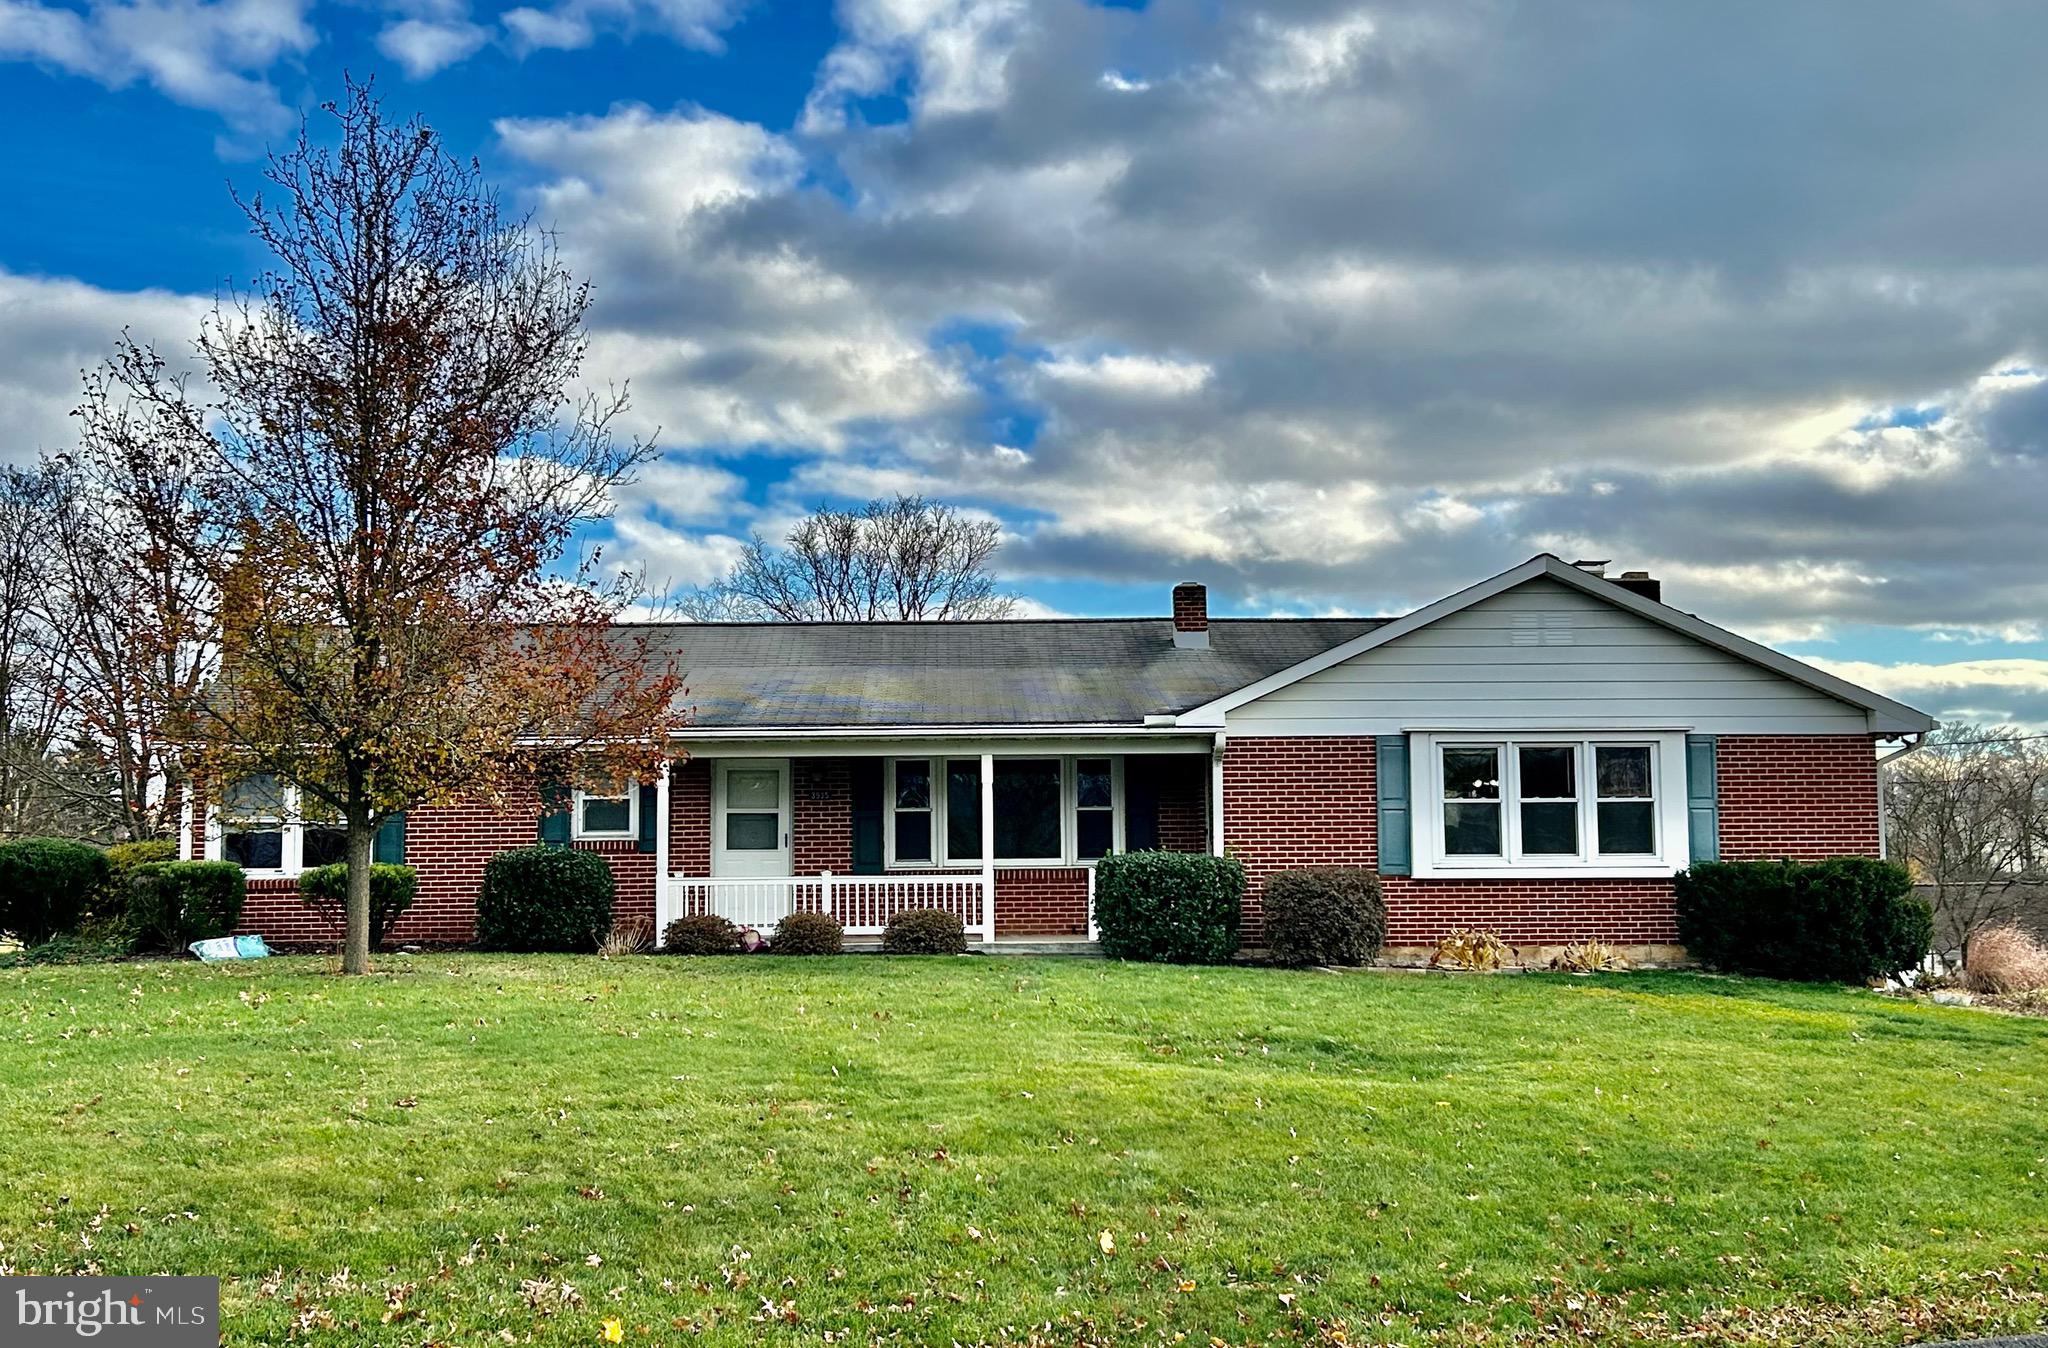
(469, 1149)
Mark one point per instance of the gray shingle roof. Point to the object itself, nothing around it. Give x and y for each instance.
(1100, 671)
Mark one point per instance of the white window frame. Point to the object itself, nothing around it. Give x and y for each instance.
(942, 859)
(1667, 787)
(291, 848)
(630, 790)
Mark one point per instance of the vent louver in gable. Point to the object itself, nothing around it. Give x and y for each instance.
(1540, 629)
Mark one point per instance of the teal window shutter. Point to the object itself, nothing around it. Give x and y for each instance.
(554, 814)
(1390, 756)
(649, 808)
(389, 849)
(1702, 808)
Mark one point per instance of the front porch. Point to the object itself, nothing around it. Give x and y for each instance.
(1002, 835)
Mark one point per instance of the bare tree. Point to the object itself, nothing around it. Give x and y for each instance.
(907, 559)
(1968, 815)
(378, 494)
(34, 665)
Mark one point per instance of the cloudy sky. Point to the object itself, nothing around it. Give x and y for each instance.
(1335, 306)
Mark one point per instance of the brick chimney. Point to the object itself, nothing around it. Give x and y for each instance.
(1640, 582)
(1191, 616)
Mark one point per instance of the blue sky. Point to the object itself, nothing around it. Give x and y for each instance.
(1334, 305)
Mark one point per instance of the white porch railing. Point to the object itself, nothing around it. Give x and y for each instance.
(862, 903)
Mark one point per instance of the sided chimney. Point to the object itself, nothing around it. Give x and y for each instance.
(1641, 582)
(1191, 615)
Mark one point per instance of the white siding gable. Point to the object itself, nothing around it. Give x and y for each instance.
(1545, 655)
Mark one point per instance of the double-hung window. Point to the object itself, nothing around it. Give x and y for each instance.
(1048, 811)
(1509, 804)
(608, 812)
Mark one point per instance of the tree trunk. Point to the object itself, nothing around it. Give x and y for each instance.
(355, 946)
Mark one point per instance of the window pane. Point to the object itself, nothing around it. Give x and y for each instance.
(1471, 774)
(1092, 784)
(262, 850)
(914, 836)
(1623, 770)
(1549, 772)
(1627, 827)
(1094, 833)
(753, 789)
(606, 816)
(914, 785)
(1028, 809)
(258, 796)
(323, 845)
(1472, 830)
(963, 810)
(753, 832)
(1550, 829)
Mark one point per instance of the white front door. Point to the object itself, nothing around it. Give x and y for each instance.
(750, 817)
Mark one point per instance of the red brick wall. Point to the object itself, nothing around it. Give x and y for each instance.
(1184, 802)
(1799, 796)
(1313, 801)
(821, 816)
(689, 818)
(1042, 901)
(449, 846)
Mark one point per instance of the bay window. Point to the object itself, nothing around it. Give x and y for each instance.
(1502, 804)
(1048, 811)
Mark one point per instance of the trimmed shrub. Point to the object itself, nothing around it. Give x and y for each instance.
(1843, 920)
(539, 899)
(701, 934)
(171, 904)
(324, 889)
(1324, 915)
(807, 934)
(1168, 907)
(924, 931)
(122, 859)
(2005, 958)
(46, 886)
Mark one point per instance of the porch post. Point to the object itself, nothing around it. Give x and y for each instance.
(988, 847)
(661, 885)
(1216, 797)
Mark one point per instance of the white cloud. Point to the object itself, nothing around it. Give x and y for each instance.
(50, 329)
(951, 52)
(1136, 376)
(210, 54)
(426, 46)
(571, 24)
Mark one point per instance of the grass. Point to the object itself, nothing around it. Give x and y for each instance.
(471, 1149)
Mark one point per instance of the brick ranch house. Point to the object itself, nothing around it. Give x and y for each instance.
(1537, 754)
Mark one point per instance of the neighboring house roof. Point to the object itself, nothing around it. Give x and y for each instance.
(1019, 672)
(1887, 717)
